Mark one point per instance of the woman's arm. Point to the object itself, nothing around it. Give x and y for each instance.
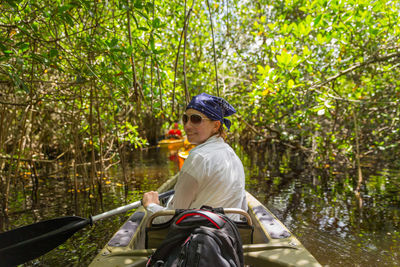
(151, 201)
(185, 192)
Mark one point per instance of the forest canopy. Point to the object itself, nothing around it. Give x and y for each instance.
(84, 80)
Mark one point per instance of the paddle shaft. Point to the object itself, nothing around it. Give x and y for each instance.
(130, 206)
(31, 241)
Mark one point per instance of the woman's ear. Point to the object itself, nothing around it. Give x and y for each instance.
(217, 125)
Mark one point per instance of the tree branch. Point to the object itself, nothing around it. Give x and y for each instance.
(373, 59)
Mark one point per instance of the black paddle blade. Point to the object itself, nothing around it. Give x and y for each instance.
(29, 242)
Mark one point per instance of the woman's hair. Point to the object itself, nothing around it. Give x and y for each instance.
(221, 131)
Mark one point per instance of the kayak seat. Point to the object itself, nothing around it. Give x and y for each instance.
(158, 225)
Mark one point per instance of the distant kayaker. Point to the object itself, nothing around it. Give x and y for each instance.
(212, 174)
(175, 132)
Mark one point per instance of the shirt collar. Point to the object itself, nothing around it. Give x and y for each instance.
(210, 140)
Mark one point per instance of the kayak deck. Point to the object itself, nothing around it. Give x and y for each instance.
(273, 244)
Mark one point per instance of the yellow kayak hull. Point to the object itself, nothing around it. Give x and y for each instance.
(171, 144)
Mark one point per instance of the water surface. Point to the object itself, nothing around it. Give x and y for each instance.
(318, 205)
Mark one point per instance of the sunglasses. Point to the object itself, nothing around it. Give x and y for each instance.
(194, 118)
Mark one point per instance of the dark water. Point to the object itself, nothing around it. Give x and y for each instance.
(318, 205)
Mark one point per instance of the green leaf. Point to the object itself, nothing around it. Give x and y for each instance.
(68, 18)
(114, 42)
(321, 39)
(160, 51)
(156, 23)
(35, 26)
(142, 14)
(23, 47)
(12, 3)
(139, 4)
(64, 8)
(290, 84)
(284, 58)
(306, 51)
(260, 69)
(317, 20)
(53, 52)
(152, 43)
(271, 26)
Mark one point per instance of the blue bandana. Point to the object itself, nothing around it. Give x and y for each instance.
(215, 108)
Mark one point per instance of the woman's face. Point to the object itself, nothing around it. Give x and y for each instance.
(198, 133)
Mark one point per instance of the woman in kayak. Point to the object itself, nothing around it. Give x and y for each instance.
(212, 174)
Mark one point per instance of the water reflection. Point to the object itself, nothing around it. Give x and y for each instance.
(318, 205)
(321, 208)
(71, 193)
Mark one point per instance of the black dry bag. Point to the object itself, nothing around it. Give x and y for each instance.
(201, 238)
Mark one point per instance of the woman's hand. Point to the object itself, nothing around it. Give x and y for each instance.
(150, 197)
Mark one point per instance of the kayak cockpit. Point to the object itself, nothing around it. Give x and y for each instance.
(266, 240)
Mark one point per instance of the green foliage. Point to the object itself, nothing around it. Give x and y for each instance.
(95, 76)
(317, 63)
(304, 72)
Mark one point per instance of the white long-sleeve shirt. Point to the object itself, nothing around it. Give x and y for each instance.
(212, 175)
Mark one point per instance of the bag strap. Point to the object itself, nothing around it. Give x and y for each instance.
(215, 210)
(238, 243)
(214, 218)
(166, 247)
(177, 235)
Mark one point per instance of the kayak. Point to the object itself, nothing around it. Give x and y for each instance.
(171, 144)
(269, 243)
(182, 155)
